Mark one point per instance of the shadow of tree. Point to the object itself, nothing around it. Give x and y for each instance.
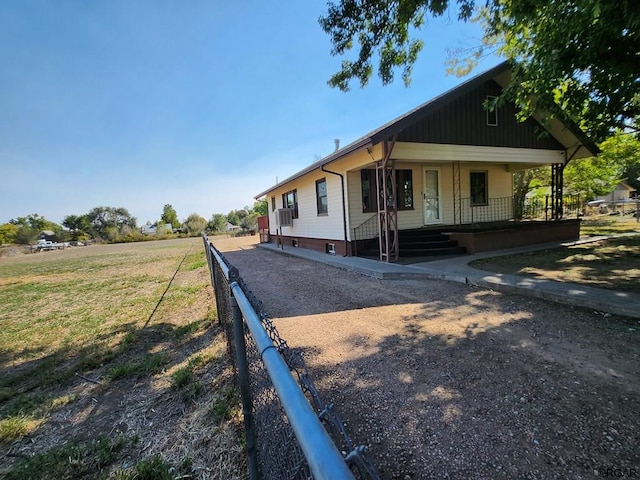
(442, 380)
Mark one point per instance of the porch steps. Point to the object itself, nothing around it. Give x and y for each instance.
(420, 243)
(427, 243)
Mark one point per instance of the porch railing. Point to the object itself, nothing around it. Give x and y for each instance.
(541, 208)
(367, 230)
(495, 210)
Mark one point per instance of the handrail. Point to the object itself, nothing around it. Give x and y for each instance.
(366, 228)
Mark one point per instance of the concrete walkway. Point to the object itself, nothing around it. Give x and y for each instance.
(457, 269)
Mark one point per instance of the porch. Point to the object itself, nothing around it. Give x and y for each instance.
(499, 224)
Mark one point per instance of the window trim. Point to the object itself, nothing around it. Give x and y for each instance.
(492, 115)
(373, 195)
(294, 204)
(472, 188)
(273, 204)
(322, 208)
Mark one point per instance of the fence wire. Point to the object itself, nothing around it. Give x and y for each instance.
(279, 455)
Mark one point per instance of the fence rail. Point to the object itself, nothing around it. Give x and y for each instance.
(290, 432)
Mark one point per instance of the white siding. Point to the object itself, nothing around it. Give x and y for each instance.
(309, 224)
(499, 183)
(498, 162)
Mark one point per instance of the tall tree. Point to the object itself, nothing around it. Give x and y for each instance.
(169, 215)
(579, 55)
(8, 233)
(108, 222)
(33, 220)
(249, 222)
(217, 223)
(195, 224)
(29, 227)
(524, 181)
(623, 150)
(260, 207)
(79, 225)
(233, 218)
(591, 177)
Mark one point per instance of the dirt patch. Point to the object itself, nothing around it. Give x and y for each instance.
(443, 380)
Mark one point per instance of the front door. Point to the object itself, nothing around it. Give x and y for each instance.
(431, 196)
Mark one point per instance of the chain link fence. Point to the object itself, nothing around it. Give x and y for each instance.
(290, 432)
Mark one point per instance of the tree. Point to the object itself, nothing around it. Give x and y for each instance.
(28, 228)
(232, 218)
(8, 233)
(591, 177)
(195, 224)
(79, 225)
(108, 222)
(623, 150)
(217, 223)
(33, 220)
(577, 55)
(249, 222)
(169, 215)
(260, 207)
(524, 181)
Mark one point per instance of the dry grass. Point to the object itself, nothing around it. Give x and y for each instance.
(612, 264)
(91, 344)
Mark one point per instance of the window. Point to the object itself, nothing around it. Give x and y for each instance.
(492, 111)
(290, 200)
(479, 188)
(404, 190)
(273, 204)
(368, 181)
(321, 196)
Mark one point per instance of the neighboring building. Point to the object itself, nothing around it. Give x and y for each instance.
(621, 193)
(49, 235)
(230, 227)
(153, 229)
(440, 174)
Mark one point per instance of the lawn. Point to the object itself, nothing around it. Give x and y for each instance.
(612, 264)
(113, 364)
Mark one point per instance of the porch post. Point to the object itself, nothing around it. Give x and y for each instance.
(387, 208)
(457, 195)
(557, 170)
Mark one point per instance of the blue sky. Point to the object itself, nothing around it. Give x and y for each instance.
(199, 104)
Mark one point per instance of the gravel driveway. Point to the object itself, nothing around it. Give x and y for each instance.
(443, 380)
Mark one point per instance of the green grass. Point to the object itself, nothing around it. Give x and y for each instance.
(225, 405)
(149, 364)
(73, 460)
(16, 426)
(607, 225)
(156, 468)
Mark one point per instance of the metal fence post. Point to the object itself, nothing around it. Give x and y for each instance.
(243, 378)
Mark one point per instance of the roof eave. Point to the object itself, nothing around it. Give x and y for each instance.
(337, 155)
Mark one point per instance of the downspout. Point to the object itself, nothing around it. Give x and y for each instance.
(344, 207)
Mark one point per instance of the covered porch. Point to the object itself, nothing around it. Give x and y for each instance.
(409, 208)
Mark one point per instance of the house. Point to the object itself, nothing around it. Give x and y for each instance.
(622, 193)
(436, 180)
(149, 229)
(230, 227)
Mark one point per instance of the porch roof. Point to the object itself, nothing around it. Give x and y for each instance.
(565, 130)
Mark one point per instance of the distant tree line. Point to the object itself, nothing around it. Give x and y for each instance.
(116, 224)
